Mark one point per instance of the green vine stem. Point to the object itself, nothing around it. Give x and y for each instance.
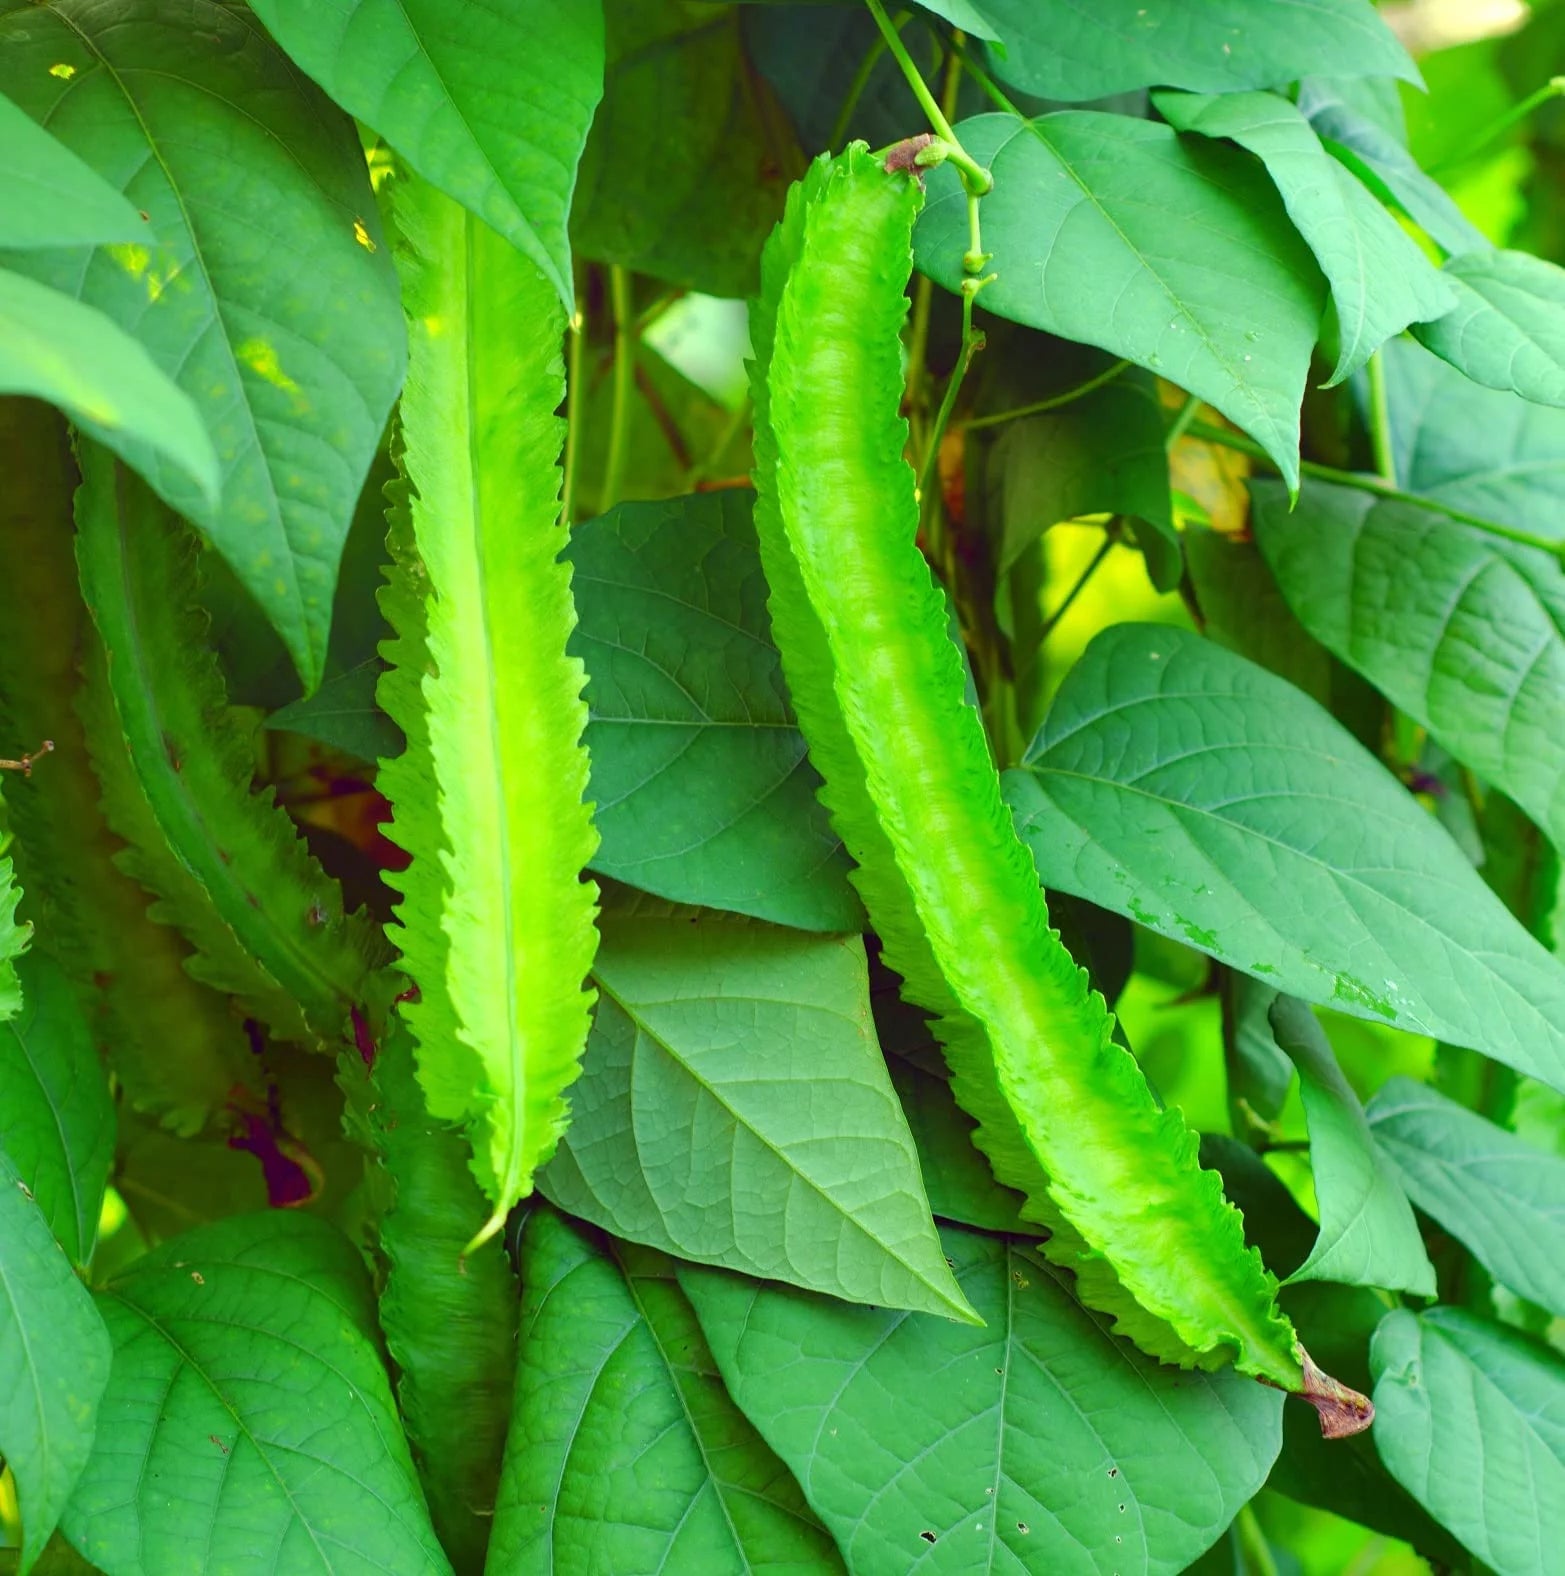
(972, 343)
(1381, 489)
(1552, 89)
(1054, 401)
(839, 130)
(624, 381)
(1380, 420)
(575, 410)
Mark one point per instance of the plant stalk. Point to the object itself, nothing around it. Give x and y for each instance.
(624, 381)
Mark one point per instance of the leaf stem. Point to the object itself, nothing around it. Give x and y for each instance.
(624, 381)
(1253, 1546)
(972, 343)
(1553, 88)
(731, 429)
(839, 130)
(1380, 420)
(1054, 401)
(1381, 489)
(1181, 422)
(575, 411)
(1075, 591)
(975, 177)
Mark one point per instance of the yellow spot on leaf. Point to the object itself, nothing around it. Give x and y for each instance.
(63, 71)
(362, 236)
(132, 257)
(261, 358)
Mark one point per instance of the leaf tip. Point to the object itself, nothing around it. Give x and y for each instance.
(1343, 1412)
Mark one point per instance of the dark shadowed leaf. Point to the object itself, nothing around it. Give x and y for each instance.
(491, 103)
(1038, 1443)
(343, 714)
(734, 1108)
(626, 1453)
(268, 296)
(1207, 799)
(1174, 253)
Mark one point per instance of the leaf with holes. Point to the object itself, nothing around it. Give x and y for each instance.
(1007, 1460)
(625, 1451)
(248, 1411)
(267, 297)
(734, 1109)
(1171, 252)
(469, 96)
(704, 791)
(1207, 799)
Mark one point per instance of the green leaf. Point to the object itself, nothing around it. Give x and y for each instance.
(1173, 253)
(1380, 281)
(48, 197)
(267, 297)
(127, 969)
(54, 1363)
(1368, 1236)
(1037, 1443)
(708, 1027)
(56, 1116)
(495, 925)
(1471, 1421)
(1498, 1194)
(1259, 1072)
(626, 1453)
(343, 714)
(449, 1316)
(1100, 455)
(704, 791)
(1372, 151)
(14, 938)
(226, 864)
(676, 92)
(57, 349)
(248, 1414)
(490, 103)
(1462, 630)
(1506, 330)
(1205, 798)
(1060, 49)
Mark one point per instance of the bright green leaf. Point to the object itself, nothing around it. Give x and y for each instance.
(56, 1115)
(626, 1453)
(1173, 253)
(1062, 49)
(14, 938)
(1207, 799)
(1461, 629)
(1380, 281)
(54, 1363)
(1038, 1443)
(488, 102)
(1368, 1236)
(1508, 328)
(248, 1416)
(57, 349)
(1471, 1421)
(734, 1109)
(268, 297)
(703, 789)
(1495, 1192)
(48, 197)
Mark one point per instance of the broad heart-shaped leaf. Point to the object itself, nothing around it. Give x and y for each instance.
(55, 348)
(1101, 454)
(1368, 1236)
(1380, 281)
(1371, 150)
(54, 1363)
(1038, 1443)
(248, 1424)
(268, 297)
(1478, 450)
(343, 714)
(56, 1115)
(1461, 629)
(1202, 796)
(678, 83)
(1069, 50)
(1172, 252)
(1471, 1421)
(1508, 327)
(495, 922)
(703, 789)
(625, 1452)
(48, 197)
(488, 102)
(1501, 1196)
(734, 1109)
